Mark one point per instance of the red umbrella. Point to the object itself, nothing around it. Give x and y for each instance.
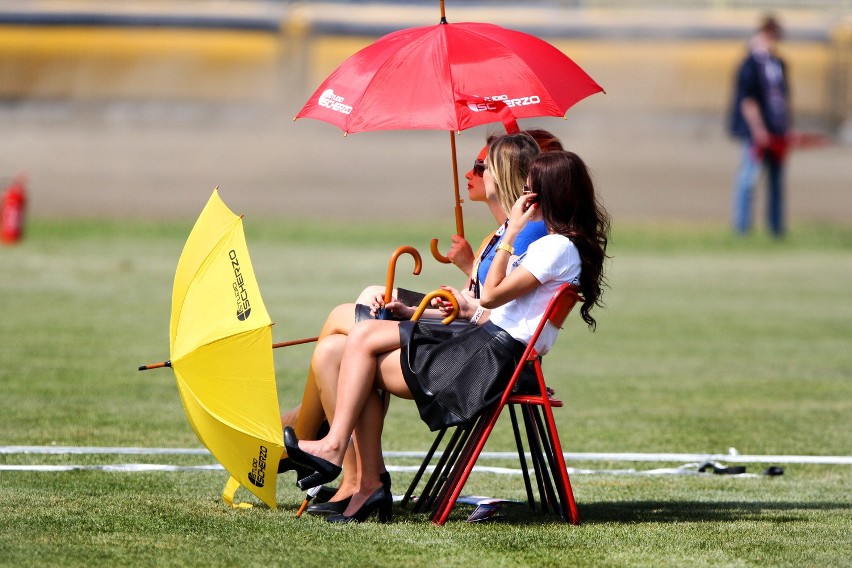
(449, 77)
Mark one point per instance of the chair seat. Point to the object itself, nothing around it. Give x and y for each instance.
(532, 399)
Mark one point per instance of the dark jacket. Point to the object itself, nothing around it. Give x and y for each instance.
(752, 82)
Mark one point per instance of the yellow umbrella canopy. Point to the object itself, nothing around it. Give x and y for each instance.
(221, 352)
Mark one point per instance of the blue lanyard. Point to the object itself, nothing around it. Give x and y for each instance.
(474, 278)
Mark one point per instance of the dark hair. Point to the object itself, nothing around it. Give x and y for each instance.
(769, 25)
(569, 207)
(546, 141)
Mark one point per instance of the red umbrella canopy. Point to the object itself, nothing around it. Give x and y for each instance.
(448, 77)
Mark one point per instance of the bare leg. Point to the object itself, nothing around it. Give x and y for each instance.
(309, 415)
(326, 364)
(370, 292)
(357, 380)
(368, 447)
(368, 431)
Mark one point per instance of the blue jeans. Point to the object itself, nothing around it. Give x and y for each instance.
(746, 179)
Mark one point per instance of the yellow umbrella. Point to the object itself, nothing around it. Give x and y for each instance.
(221, 353)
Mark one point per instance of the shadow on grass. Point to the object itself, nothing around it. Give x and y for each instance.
(686, 511)
(629, 512)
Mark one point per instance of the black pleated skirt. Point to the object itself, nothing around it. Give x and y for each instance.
(455, 372)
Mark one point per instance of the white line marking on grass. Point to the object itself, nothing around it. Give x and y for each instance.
(59, 450)
(122, 468)
(686, 469)
(662, 457)
(731, 456)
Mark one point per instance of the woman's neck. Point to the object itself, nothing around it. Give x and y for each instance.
(498, 213)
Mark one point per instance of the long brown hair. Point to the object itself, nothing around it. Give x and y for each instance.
(569, 207)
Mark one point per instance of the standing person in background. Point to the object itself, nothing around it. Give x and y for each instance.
(760, 118)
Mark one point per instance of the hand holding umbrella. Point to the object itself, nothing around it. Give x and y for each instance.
(384, 313)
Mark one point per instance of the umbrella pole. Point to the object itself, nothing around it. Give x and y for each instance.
(274, 346)
(433, 245)
(294, 342)
(155, 365)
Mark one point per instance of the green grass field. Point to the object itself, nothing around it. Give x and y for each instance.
(708, 342)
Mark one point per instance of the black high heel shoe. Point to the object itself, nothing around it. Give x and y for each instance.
(287, 464)
(323, 470)
(337, 507)
(381, 500)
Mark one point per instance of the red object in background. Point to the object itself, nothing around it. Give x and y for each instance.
(12, 209)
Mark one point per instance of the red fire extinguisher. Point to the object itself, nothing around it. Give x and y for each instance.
(13, 204)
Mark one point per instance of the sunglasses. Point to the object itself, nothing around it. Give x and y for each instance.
(478, 167)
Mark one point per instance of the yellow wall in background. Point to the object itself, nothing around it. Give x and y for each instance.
(137, 63)
(695, 75)
(105, 63)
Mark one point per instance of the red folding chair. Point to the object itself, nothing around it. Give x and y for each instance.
(458, 458)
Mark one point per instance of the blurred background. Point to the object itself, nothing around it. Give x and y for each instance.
(138, 108)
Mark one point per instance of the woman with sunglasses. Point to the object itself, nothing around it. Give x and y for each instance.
(516, 154)
(453, 370)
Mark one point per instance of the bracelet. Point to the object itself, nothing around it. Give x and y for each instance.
(508, 248)
(478, 314)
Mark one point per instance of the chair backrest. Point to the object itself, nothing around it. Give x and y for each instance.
(561, 304)
(563, 301)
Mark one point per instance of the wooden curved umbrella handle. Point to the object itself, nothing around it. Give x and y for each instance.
(433, 246)
(427, 301)
(418, 264)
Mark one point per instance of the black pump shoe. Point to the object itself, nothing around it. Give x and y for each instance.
(324, 494)
(323, 470)
(385, 478)
(328, 507)
(381, 500)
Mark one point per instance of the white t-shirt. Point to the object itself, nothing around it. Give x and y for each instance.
(554, 261)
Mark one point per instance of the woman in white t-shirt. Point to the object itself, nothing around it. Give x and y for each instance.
(452, 376)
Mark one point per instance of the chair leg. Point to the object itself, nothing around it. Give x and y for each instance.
(464, 465)
(443, 470)
(560, 469)
(522, 458)
(545, 455)
(550, 501)
(427, 460)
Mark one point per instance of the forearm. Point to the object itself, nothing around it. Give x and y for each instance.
(490, 294)
(751, 114)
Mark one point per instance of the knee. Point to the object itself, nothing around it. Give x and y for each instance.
(328, 350)
(367, 294)
(339, 320)
(360, 336)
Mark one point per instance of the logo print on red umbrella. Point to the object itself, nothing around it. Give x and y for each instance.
(333, 102)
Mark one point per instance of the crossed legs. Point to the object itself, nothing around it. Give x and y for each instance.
(369, 360)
